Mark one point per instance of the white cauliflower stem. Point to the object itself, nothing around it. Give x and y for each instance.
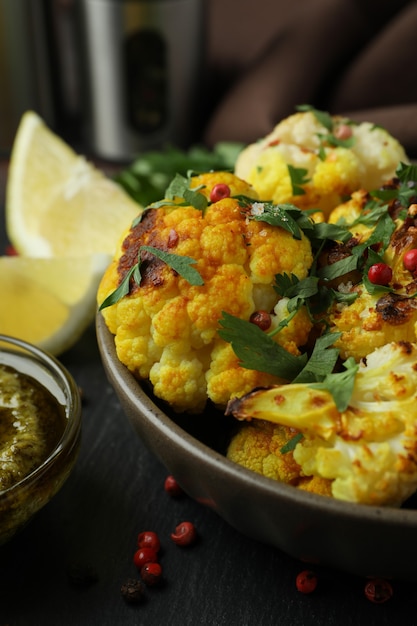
(368, 451)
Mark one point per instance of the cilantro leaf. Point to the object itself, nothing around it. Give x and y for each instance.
(298, 176)
(181, 264)
(257, 350)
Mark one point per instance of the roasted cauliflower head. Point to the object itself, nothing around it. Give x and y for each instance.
(368, 452)
(166, 318)
(314, 160)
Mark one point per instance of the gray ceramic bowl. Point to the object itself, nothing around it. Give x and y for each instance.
(21, 500)
(359, 539)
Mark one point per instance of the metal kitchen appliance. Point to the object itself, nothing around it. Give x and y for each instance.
(142, 63)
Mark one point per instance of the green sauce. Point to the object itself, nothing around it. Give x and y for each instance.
(31, 424)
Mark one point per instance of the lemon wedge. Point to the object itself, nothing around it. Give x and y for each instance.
(57, 203)
(49, 302)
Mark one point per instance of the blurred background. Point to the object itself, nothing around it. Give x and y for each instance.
(117, 77)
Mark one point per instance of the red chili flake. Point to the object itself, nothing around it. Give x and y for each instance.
(185, 534)
(261, 319)
(378, 590)
(219, 192)
(151, 574)
(306, 581)
(143, 556)
(380, 274)
(172, 487)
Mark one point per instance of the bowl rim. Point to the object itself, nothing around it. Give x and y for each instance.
(72, 406)
(139, 397)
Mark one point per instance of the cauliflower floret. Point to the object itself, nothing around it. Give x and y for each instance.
(166, 329)
(374, 319)
(334, 169)
(368, 451)
(257, 446)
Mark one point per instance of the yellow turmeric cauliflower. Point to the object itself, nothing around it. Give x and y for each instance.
(368, 451)
(338, 156)
(374, 319)
(166, 328)
(257, 446)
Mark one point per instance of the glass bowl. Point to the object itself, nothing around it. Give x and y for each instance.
(24, 492)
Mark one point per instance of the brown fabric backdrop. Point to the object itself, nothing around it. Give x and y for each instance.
(353, 57)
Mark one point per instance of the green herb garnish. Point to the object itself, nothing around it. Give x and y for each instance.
(257, 350)
(148, 176)
(180, 264)
(298, 176)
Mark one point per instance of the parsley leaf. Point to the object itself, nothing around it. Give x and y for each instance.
(283, 215)
(291, 443)
(339, 268)
(298, 176)
(148, 176)
(180, 264)
(180, 188)
(121, 291)
(290, 286)
(406, 192)
(340, 384)
(381, 235)
(322, 360)
(257, 350)
(324, 118)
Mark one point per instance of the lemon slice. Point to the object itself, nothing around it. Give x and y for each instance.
(49, 302)
(57, 203)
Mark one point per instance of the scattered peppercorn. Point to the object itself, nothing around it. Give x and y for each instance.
(143, 556)
(343, 131)
(306, 581)
(219, 192)
(172, 487)
(262, 319)
(11, 250)
(149, 539)
(410, 260)
(151, 574)
(185, 534)
(132, 591)
(378, 590)
(380, 274)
